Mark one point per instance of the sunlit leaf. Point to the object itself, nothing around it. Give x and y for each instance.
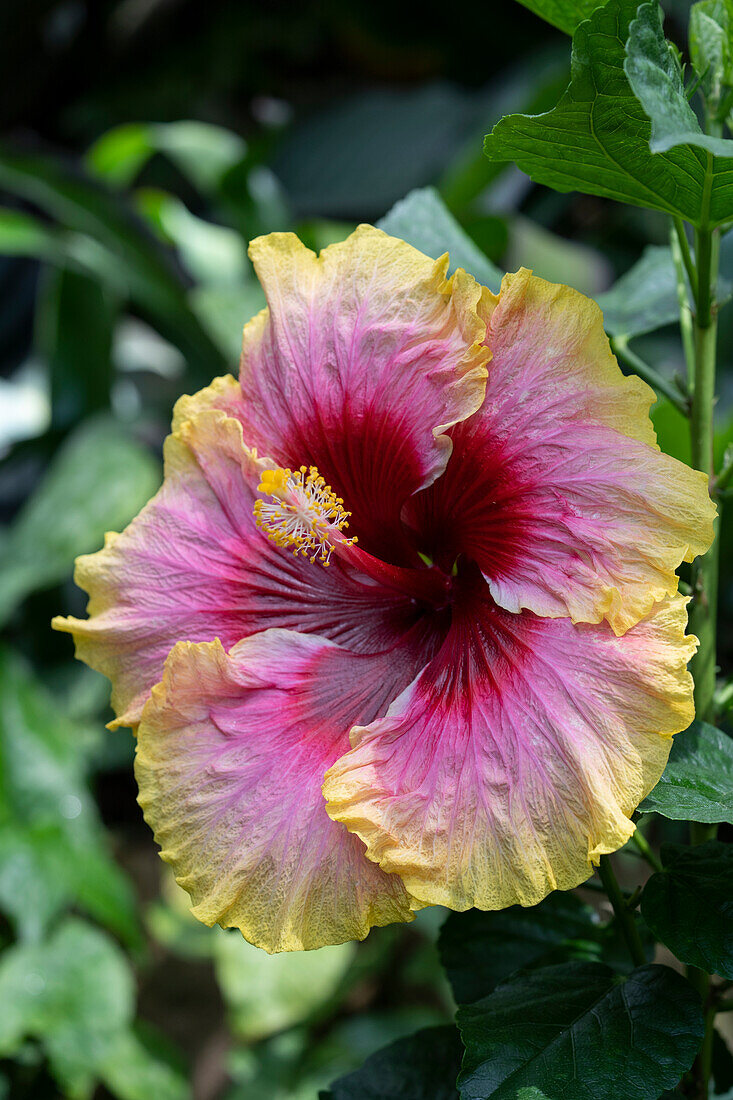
(23, 235)
(212, 254)
(203, 153)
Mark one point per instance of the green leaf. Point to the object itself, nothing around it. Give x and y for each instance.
(132, 1072)
(644, 298)
(225, 310)
(478, 950)
(120, 153)
(711, 23)
(23, 235)
(41, 780)
(424, 221)
(580, 1032)
(81, 205)
(688, 905)
(673, 436)
(554, 258)
(97, 482)
(697, 783)
(655, 78)
(35, 884)
(74, 993)
(370, 164)
(212, 254)
(596, 139)
(203, 153)
(722, 1064)
(52, 847)
(75, 318)
(564, 14)
(423, 1066)
(267, 993)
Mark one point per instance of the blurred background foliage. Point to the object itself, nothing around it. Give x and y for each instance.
(144, 143)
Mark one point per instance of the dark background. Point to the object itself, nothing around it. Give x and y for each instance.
(123, 284)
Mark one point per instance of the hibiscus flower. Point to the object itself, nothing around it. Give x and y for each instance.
(420, 560)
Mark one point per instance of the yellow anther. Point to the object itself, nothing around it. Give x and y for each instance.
(304, 512)
(273, 482)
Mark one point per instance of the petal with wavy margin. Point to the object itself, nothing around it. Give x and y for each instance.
(364, 358)
(556, 487)
(518, 755)
(232, 750)
(193, 567)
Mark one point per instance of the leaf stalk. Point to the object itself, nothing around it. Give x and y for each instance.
(624, 916)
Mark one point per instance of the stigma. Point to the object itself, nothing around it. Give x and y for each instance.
(303, 513)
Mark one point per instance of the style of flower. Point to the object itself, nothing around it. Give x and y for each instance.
(420, 559)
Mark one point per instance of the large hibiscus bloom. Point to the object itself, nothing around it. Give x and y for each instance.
(481, 673)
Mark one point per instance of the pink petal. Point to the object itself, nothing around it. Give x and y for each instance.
(364, 358)
(232, 749)
(519, 754)
(555, 486)
(193, 566)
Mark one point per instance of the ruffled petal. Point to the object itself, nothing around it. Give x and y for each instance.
(518, 756)
(232, 750)
(193, 567)
(556, 487)
(364, 358)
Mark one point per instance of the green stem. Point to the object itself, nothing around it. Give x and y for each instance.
(657, 381)
(725, 473)
(684, 245)
(599, 888)
(683, 300)
(699, 833)
(625, 918)
(646, 850)
(703, 611)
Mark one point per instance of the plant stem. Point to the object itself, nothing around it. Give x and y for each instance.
(683, 300)
(703, 610)
(686, 255)
(620, 347)
(704, 569)
(725, 473)
(624, 916)
(646, 850)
